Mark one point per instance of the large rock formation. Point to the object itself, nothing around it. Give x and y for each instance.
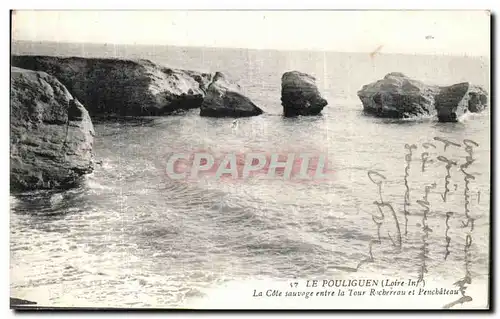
(51, 134)
(398, 96)
(123, 87)
(300, 95)
(453, 101)
(224, 99)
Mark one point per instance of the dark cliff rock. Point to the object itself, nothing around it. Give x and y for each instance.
(300, 95)
(477, 99)
(17, 302)
(224, 99)
(122, 87)
(455, 100)
(398, 96)
(51, 134)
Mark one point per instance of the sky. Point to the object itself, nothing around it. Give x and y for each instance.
(410, 32)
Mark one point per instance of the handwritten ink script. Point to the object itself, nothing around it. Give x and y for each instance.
(425, 229)
(430, 205)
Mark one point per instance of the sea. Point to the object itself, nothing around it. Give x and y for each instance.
(132, 237)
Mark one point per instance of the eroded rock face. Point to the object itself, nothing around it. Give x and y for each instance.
(51, 134)
(398, 96)
(455, 100)
(123, 87)
(224, 99)
(300, 95)
(477, 99)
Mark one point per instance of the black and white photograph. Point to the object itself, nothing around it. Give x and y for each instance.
(225, 159)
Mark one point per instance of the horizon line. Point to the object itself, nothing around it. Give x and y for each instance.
(375, 52)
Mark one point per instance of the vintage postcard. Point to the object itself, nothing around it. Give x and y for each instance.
(250, 159)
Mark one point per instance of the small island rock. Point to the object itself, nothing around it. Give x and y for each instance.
(300, 95)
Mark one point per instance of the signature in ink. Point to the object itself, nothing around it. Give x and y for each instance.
(377, 179)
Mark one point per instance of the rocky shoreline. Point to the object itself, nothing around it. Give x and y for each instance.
(123, 87)
(54, 98)
(398, 96)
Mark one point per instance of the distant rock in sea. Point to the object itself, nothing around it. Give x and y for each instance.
(224, 99)
(300, 95)
(122, 87)
(398, 96)
(51, 134)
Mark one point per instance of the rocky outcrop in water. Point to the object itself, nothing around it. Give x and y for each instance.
(398, 96)
(453, 101)
(300, 95)
(224, 99)
(51, 134)
(123, 87)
